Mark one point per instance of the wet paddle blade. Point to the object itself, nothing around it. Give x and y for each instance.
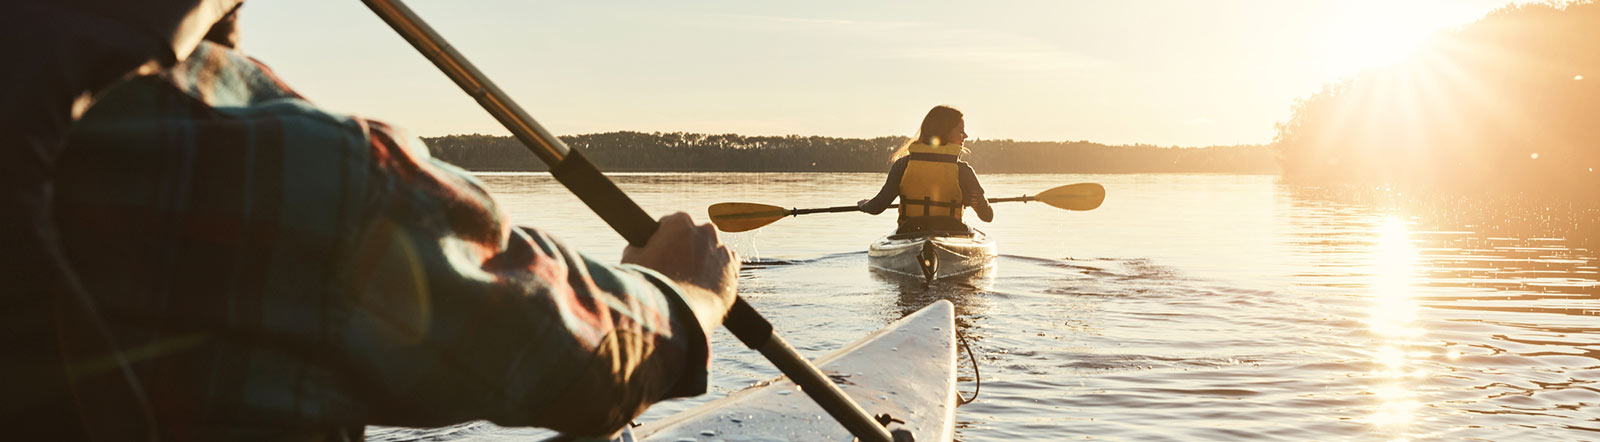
(1081, 196)
(739, 217)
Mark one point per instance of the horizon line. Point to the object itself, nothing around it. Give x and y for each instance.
(974, 139)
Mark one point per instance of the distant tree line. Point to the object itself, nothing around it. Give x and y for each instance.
(679, 152)
(1511, 101)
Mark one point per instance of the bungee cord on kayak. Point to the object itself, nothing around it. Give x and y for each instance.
(977, 376)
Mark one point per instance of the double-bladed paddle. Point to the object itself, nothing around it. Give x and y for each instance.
(602, 196)
(740, 217)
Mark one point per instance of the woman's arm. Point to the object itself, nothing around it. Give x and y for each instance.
(890, 190)
(974, 193)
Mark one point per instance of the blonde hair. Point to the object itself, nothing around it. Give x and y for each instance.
(939, 121)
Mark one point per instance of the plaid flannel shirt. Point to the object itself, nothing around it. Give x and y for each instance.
(275, 271)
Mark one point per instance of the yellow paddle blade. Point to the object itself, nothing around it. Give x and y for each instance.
(1081, 196)
(739, 217)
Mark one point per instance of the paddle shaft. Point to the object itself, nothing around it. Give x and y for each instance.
(602, 196)
(840, 209)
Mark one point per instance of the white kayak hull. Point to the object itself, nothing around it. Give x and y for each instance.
(933, 256)
(906, 370)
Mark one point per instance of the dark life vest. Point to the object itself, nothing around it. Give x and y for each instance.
(931, 183)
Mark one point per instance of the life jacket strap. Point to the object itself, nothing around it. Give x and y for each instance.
(930, 203)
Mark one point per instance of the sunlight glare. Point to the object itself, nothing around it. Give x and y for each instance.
(1366, 34)
(1394, 260)
(1392, 320)
(1390, 356)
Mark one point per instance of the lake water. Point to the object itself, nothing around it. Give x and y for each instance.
(1187, 307)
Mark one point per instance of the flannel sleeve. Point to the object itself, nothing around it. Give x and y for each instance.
(291, 271)
(464, 316)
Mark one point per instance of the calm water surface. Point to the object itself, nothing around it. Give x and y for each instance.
(1188, 307)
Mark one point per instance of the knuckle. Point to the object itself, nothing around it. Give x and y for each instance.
(676, 226)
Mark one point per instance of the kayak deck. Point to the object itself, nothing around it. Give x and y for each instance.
(906, 369)
(934, 255)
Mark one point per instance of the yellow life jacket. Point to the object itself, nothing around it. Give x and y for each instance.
(931, 184)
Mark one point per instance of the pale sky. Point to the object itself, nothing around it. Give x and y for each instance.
(1165, 72)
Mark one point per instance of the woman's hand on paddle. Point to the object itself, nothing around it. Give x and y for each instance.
(693, 256)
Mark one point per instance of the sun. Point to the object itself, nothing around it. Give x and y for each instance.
(1365, 34)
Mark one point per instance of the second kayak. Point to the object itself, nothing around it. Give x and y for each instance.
(933, 255)
(905, 370)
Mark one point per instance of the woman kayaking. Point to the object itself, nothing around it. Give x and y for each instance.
(933, 184)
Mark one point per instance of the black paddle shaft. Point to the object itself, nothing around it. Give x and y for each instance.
(580, 176)
(838, 209)
(826, 210)
(1024, 198)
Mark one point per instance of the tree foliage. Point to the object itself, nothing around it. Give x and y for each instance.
(677, 151)
(1508, 101)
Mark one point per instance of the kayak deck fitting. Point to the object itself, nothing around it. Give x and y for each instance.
(906, 370)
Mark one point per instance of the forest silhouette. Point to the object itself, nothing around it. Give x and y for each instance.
(1508, 102)
(692, 152)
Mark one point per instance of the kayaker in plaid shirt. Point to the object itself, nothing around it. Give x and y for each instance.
(273, 271)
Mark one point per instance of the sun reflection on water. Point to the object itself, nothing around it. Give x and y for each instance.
(1393, 322)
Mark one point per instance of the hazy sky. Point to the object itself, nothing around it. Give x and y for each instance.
(1173, 72)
